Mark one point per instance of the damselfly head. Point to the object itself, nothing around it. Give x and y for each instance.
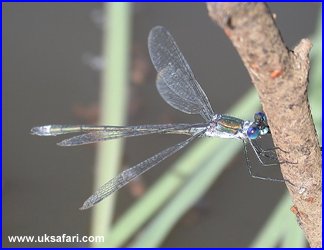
(259, 127)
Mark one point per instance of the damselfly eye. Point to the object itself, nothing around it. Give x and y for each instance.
(253, 132)
(260, 117)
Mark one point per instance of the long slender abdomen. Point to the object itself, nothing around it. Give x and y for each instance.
(53, 130)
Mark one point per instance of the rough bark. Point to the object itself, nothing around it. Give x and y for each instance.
(280, 76)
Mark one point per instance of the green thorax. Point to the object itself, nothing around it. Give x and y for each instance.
(229, 124)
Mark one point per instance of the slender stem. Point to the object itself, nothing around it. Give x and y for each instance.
(115, 78)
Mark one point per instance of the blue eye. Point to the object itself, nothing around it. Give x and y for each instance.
(253, 132)
(260, 117)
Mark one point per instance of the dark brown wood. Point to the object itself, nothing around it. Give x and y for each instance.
(280, 76)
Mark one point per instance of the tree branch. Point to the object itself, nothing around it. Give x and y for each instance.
(280, 76)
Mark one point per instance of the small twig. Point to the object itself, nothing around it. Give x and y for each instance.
(281, 78)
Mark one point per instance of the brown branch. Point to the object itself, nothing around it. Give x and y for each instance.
(281, 78)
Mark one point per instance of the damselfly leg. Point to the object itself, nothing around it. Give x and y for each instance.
(269, 154)
(249, 166)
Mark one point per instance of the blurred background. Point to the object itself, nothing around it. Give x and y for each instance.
(52, 74)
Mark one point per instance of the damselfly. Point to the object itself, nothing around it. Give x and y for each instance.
(179, 88)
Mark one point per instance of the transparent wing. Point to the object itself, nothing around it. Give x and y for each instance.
(176, 82)
(175, 99)
(128, 175)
